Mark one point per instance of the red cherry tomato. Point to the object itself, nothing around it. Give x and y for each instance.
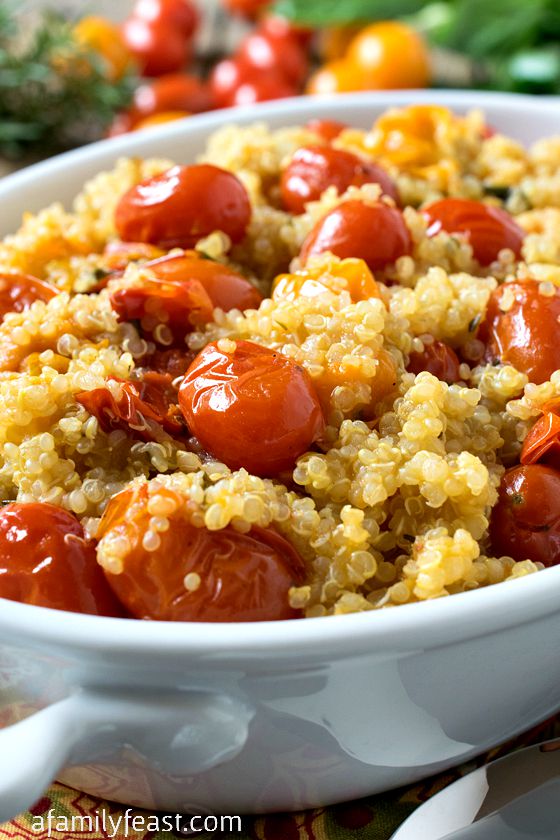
(182, 205)
(269, 87)
(193, 574)
(247, 8)
(526, 334)
(158, 47)
(172, 92)
(179, 14)
(251, 407)
(489, 229)
(175, 362)
(315, 168)
(284, 56)
(183, 296)
(525, 523)
(225, 78)
(19, 291)
(327, 129)
(146, 408)
(46, 560)
(375, 233)
(439, 359)
(281, 28)
(121, 124)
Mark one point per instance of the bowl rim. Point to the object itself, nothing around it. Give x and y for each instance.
(464, 615)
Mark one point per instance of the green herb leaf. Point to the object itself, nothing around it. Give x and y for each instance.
(320, 13)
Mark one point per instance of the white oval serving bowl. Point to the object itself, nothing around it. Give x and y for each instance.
(249, 718)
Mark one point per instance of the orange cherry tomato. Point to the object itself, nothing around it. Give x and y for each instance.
(46, 560)
(172, 92)
(351, 275)
(146, 408)
(158, 47)
(160, 119)
(19, 291)
(193, 574)
(103, 37)
(543, 441)
(390, 55)
(327, 129)
(283, 55)
(315, 168)
(525, 523)
(184, 294)
(525, 335)
(251, 407)
(120, 254)
(182, 205)
(339, 76)
(437, 358)
(375, 233)
(489, 229)
(179, 14)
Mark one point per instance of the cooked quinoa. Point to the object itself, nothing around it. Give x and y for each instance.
(393, 504)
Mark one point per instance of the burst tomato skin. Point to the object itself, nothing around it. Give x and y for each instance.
(489, 229)
(46, 560)
(329, 130)
(182, 205)
(242, 577)
(375, 233)
(315, 168)
(158, 47)
(542, 444)
(525, 523)
(251, 407)
(145, 408)
(19, 291)
(439, 359)
(526, 335)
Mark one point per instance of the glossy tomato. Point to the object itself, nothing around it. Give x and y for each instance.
(313, 169)
(543, 441)
(182, 205)
(179, 14)
(375, 233)
(158, 47)
(251, 407)
(270, 86)
(160, 119)
(226, 77)
(185, 573)
(19, 291)
(281, 28)
(146, 408)
(283, 55)
(184, 294)
(488, 229)
(172, 92)
(327, 129)
(340, 76)
(390, 55)
(525, 523)
(438, 359)
(521, 329)
(46, 560)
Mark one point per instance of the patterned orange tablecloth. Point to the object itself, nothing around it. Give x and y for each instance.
(373, 818)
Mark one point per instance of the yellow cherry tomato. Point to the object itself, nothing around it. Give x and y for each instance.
(335, 77)
(351, 275)
(390, 55)
(158, 119)
(408, 137)
(103, 37)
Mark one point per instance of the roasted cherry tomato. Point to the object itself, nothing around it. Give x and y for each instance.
(103, 37)
(158, 47)
(175, 362)
(327, 129)
(352, 276)
(184, 294)
(525, 523)
(145, 408)
(19, 291)
(543, 441)
(488, 229)
(315, 168)
(180, 14)
(251, 407)
(389, 55)
(185, 573)
(521, 329)
(437, 358)
(173, 92)
(375, 233)
(266, 53)
(182, 205)
(46, 560)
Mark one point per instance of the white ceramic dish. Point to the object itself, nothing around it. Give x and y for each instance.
(277, 716)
